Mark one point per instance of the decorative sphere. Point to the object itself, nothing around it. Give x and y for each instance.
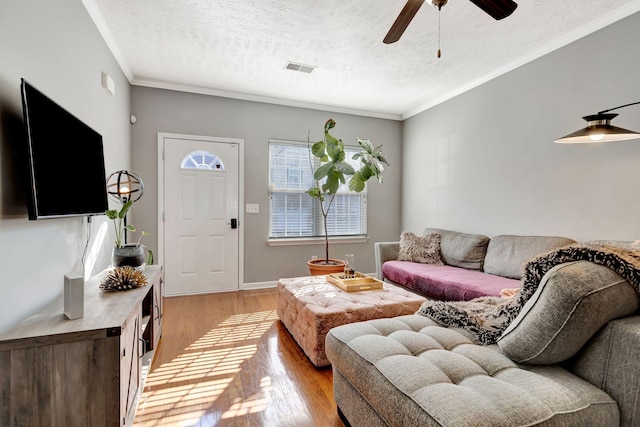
(123, 186)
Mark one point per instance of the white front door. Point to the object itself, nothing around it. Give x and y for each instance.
(201, 238)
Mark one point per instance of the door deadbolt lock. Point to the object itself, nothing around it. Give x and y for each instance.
(234, 223)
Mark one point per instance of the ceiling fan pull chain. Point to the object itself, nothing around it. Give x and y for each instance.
(439, 54)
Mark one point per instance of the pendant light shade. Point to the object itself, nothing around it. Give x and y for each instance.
(599, 129)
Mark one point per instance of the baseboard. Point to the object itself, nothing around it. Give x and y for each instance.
(259, 285)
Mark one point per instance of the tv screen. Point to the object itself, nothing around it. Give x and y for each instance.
(66, 160)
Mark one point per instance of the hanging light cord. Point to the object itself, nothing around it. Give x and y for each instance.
(439, 53)
(622, 106)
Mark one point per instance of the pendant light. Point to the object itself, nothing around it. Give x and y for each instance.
(599, 129)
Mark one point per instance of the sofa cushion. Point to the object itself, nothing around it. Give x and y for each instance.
(424, 249)
(444, 282)
(461, 249)
(507, 255)
(415, 373)
(573, 301)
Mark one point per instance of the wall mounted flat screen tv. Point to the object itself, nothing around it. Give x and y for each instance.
(66, 160)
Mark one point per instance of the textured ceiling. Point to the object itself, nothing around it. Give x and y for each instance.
(239, 48)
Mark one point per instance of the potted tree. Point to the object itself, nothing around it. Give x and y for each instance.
(332, 171)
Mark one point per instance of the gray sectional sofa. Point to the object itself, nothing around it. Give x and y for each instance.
(474, 264)
(571, 357)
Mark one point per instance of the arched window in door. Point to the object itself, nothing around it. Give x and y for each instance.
(202, 160)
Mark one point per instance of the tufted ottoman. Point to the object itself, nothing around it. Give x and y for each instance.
(407, 371)
(310, 306)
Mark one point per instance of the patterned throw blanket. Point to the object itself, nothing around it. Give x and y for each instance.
(487, 317)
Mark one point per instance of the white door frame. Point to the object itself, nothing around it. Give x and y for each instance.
(165, 135)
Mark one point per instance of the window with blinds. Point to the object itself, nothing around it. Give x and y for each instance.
(293, 213)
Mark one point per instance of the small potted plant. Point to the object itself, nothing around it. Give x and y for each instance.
(131, 254)
(332, 172)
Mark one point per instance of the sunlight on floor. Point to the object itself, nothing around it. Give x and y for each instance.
(182, 391)
(255, 403)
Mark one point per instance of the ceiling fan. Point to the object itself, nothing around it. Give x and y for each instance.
(497, 9)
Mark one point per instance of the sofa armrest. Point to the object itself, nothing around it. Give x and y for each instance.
(610, 361)
(385, 251)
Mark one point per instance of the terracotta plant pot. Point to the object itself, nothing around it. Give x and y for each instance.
(317, 266)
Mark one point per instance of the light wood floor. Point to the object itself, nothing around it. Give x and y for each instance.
(226, 360)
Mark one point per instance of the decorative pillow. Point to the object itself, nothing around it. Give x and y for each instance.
(507, 255)
(461, 249)
(425, 250)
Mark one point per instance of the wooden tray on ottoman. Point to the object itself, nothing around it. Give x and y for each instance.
(361, 282)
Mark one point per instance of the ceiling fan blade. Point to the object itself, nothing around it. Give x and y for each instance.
(402, 21)
(497, 9)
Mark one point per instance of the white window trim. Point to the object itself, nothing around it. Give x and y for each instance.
(296, 241)
(292, 241)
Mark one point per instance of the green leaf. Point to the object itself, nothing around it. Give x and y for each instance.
(365, 173)
(330, 124)
(366, 145)
(382, 159)
(345, 168)
(125, 209)
(342, 156)
(332, 141)
(318, 149)
(130, 228)
(322, 171)
(112, 214)
(356, 183)
(333, 182)
(314, 192)
(335, 152)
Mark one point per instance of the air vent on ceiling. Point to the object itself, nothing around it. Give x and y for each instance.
(294, 66)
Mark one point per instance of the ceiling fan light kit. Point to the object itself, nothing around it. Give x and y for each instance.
(439, 3)
(599, 129)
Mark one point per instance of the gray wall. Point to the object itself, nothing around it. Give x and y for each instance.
(485, 161)
(159, 110)
(56, 47)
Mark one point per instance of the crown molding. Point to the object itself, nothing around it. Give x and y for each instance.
(263, 99)
(108, 38)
